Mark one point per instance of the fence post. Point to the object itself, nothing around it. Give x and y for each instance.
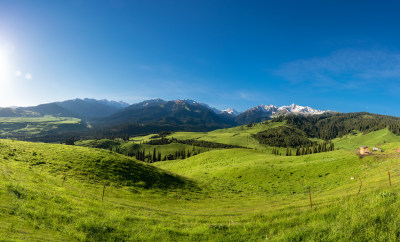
(104, 188)
(65, 177)
(360, 186)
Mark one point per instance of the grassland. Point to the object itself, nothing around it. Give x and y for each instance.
(131, 147)
(54, 192)
(240, 135)
(28, 126)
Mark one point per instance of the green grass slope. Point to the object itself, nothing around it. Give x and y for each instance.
(90, 165)
(220, 195)
(376, 138)
(130, 147)
(55, 191)
(25, 127)
(240, 135)
(273, 191)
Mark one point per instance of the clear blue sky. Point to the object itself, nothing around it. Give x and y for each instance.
(337, 55)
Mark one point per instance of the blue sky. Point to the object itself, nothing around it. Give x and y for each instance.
(337, 55)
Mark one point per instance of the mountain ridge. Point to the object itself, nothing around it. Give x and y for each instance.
(99, 111)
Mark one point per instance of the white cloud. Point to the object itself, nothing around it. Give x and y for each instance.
(18, 73)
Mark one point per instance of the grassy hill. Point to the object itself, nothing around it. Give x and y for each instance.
(28, 127)
(377, 138)
(58, 188)
(240, 135)
(218, 195)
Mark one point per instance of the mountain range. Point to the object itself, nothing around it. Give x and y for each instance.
(181, 113)
(80, 108)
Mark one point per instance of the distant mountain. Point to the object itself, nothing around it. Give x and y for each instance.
(146, 104)
(217, 111)
(92, 108)
(265, 112)
(229, 112)
(296, 109)
(80, 108)
(117, 104)
(15, 112)
(49, 109)
(181, 113)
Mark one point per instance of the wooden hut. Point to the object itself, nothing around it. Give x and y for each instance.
(364, 150)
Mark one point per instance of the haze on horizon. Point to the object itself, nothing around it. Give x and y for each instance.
(329, 55)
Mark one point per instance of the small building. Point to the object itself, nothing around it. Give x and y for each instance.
(364, 150)
(398, 150)
(377, 149)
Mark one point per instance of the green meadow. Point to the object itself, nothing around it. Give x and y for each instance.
(74, 193)
(28, 126)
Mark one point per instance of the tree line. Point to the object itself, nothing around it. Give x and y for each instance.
(307, 150)
(192, 142)
(330, 126)
(283, 137)
(156, 155)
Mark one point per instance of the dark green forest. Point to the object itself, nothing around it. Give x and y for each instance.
(330, 126)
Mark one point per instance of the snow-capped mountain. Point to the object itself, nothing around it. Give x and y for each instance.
(192, 102)
(156, 110)
(230, 111)
(264, 112)
(300, 110)
(117, 104)
(267, 109)
(295, 109)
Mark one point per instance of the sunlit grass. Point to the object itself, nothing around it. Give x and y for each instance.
(55, 192)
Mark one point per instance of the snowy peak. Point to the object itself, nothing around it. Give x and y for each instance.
(269, 109)
(230, 111)
(265, 112)
(192, 102)
(151, 102)
(296, 109)
(117, 104)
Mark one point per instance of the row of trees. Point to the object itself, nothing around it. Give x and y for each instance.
(156, 155)
(193, 142)
(306, 150)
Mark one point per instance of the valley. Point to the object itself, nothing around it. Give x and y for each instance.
(199, 121)
(97, 189)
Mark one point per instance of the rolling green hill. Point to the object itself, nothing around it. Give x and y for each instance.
(55, 192)
(241, 135)
(377, 138)
(31, 127)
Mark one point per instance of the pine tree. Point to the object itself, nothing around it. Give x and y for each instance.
(154, 158)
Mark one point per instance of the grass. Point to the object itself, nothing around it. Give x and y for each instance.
(377, 138)
(219, 195)
(240, 136)
(26, 126)
(131, 147)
